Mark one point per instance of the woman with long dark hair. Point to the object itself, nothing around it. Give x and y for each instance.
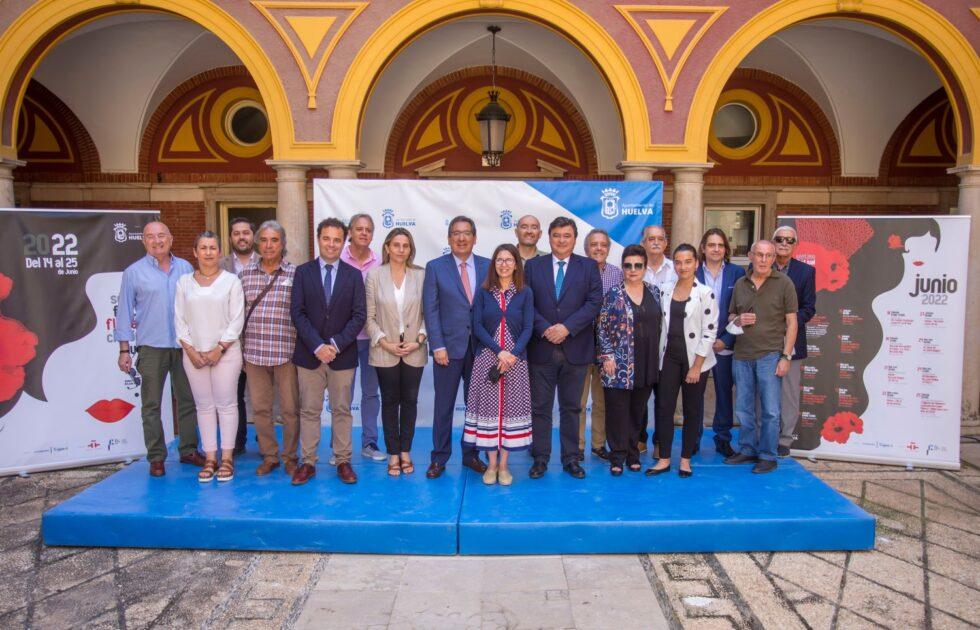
(498, 408)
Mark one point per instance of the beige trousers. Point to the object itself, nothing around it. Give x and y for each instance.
(263, 382)
(593, 382)
(337, 383)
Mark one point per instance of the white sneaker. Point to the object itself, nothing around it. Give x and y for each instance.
(370, 452)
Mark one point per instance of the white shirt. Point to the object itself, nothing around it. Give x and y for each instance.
(661, 276)
(203, 316)
(400, 304)
(554, 265)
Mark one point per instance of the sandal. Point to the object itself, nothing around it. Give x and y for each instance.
(394, 468)
(408, 467)
(207, 471)
(227, 470)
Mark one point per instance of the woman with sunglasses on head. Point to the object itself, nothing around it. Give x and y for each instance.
(686, 355)
(629, 338)
(498, 407)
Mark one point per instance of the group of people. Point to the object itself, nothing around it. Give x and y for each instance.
(515, 330)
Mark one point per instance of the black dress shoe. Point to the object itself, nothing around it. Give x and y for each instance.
(653, 472)
(764, 466)
(573, 469)
(782, 451)
(581, 456)
(476, 464)
(740, 458)
(601, 453)
(435, 470)
(684, 473)
(537, 470)
(724, 449)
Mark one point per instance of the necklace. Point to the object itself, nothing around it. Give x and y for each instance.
(206, 276)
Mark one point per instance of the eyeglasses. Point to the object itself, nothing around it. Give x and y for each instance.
(789, 240)
(463, 233)
(505, 261)
(631, 266)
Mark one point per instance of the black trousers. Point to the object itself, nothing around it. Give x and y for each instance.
(625, 409)
(399, 405)
(242, 420)
(671, 384)
(568, 379)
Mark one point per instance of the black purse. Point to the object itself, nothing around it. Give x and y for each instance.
(494, 375)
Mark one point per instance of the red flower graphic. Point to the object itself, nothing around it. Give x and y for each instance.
(17, 348)
(832, 268)
(895, 242)
(838, 427)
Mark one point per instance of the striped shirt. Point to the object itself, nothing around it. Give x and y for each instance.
(269, 338)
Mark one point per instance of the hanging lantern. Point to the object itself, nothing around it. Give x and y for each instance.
(493, 118)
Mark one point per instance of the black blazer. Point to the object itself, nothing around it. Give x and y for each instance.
(317, 324)
(576, 307)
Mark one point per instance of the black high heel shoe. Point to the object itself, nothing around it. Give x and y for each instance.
(684, 473)
(653, 472)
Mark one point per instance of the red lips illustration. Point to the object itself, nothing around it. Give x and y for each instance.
(917, 263)
(110, 411)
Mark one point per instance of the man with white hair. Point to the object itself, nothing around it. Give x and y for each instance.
(804, 278)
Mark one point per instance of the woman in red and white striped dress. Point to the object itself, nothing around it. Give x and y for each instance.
(498, 407)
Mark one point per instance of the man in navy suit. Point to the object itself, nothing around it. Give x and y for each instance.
(804, 278)
(328, 309)
(718, 273)
(567, 296)
(450, 283)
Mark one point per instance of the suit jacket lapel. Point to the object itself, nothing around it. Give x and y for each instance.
(459, 278)
(318, 276)
(550, 270)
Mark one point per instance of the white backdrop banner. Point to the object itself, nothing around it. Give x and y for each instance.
(883, 379)
(63, 401)
(425, 208)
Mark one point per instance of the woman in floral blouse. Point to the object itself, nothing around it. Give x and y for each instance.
(629, 340)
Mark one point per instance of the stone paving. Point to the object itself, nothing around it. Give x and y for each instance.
(923, 573)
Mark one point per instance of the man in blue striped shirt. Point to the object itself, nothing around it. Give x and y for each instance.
(145, 318)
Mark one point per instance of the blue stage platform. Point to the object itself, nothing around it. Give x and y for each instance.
(720, 508)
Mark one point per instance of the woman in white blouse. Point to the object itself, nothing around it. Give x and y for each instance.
(397, 337)
(208, 315)
(686, 355)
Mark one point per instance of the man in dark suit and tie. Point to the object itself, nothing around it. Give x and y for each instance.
(447, 298)
(567, 296)
(328, 309)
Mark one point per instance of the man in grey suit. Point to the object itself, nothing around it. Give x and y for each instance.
(242, 239)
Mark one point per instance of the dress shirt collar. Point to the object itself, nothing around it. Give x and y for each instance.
(348, 257)
(335, 264)
(156, 263)
(468, 260)
(555, 259)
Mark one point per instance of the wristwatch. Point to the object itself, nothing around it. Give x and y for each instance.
(786, 356)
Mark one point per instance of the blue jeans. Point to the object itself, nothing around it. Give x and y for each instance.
(723, 420)
(370, 400)
(758, 437)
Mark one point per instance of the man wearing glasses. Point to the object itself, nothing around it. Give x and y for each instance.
(804, 278)
(450, 283)
(763, 314)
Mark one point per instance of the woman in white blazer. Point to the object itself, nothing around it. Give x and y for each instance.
(397, 337)
(686, 356)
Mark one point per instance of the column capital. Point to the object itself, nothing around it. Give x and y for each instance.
(10, 163)
(637, 171)
(969, 174)
(689, 172)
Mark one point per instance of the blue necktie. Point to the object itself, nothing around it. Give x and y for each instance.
(327, 284)
(560, 279)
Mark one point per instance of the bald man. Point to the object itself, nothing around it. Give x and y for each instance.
(528, 233)
(145, 319)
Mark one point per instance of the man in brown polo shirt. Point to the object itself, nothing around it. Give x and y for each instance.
(763, 315)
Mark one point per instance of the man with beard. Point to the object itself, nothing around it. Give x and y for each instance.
(528, 232)
(242, 235)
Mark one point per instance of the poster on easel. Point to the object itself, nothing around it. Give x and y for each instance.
(882, 382)
(63, 400)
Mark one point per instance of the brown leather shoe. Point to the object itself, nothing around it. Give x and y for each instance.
(290, 467)
(266, 467)
(346, 473)
(435, 470)
(476, 464)
(157, 469)
(195, 458)
(303, 474)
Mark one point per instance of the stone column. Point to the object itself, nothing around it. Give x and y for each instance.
(969, 204)
(687, 224)
(292, 209)
(7, 166)
(637, 171)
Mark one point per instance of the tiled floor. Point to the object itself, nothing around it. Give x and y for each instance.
(924, 572)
